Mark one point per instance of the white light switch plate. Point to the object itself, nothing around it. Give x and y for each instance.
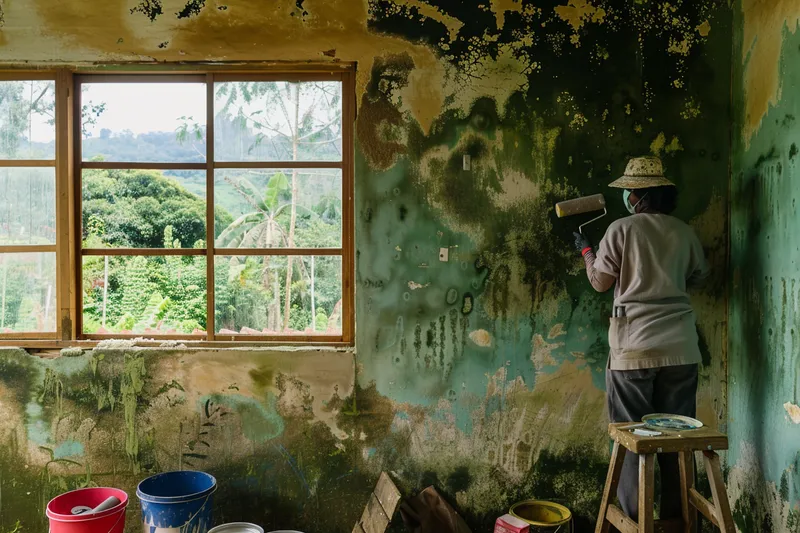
(444, 254)
(467, 162)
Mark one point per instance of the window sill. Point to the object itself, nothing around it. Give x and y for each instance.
(52, 348)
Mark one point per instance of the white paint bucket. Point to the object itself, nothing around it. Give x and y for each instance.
(237, 527)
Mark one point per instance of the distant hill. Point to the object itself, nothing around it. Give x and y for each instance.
(233, 144)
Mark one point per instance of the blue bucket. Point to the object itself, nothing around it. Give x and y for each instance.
(177, 501)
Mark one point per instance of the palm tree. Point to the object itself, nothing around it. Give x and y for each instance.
(258, 228)
(290, 133)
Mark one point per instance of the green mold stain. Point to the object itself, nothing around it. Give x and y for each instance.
(418, 339)
(260, 420)
(453, 314)
(442, 339)
(262, 377)
(131, 387)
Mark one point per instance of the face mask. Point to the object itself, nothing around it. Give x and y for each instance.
(626, 195)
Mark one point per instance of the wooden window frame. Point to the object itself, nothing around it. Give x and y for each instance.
(69, 166)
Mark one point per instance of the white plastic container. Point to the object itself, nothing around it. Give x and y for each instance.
(237, 527)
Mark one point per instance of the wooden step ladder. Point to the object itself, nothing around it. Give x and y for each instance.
(686, 444)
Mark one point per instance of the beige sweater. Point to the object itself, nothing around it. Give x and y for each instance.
(654, 258)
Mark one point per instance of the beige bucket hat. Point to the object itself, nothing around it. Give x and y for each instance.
(642, 173)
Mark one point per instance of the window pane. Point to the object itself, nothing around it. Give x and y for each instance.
(259, 202)
(250, 295)
(149, 295)
(27, 292)
(278, 121)
(27, 206)
(143, 122)
(27, 120)
(145, 209)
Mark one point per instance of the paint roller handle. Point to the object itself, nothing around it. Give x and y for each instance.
(108, 503)
(582, 243)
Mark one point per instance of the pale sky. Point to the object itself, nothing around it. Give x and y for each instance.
(139, 107)
(146, 107)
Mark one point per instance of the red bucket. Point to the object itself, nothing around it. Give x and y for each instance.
(59, 511)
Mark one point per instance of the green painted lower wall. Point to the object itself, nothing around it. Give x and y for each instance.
(764, 342)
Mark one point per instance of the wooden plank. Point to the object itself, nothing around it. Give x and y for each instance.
(331, 74)
(64, 282)
(154, 336)
(610, 490)
(158, 252)
(387, 493)
(142, 165)
(76, 213)
(28, 248)
(279, 251)
(348, 207)
(703, 505)
(243, 338)
(72, 287)
(245, 69)
(210, 235)
(686, 467)
(142, 77)
(620, 520)
(49, 341)
(12, 73)
(30, 163)
(277, 164)
(374, 520)
(696, 439)
(30, 335)
(646, 495)
(718, 492)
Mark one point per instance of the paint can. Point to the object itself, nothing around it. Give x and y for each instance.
(177, 501)
(112, 520)
(237, 527)
(543, 516)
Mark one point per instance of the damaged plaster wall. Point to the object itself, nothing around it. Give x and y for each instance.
(482, 374)
(764, 461)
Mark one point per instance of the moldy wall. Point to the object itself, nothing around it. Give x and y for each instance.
(482, 375)
(764, 369)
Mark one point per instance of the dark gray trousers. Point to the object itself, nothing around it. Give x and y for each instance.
(633, 394)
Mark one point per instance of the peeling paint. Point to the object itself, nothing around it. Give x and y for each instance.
(793, 411)
(481, 338)
(762, 42)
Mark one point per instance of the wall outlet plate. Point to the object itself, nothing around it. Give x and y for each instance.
(444, 254)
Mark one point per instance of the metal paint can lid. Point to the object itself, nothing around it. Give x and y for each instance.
(237, 527)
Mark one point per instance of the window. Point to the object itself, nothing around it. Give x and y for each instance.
(27, 208)
(209, 207)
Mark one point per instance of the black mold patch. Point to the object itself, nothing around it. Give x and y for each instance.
(402, 212)
(459, 480)
(705, 353)
(793, 151)
(192, 8)
(149, 8)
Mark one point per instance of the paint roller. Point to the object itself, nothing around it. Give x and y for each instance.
(584, 204)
